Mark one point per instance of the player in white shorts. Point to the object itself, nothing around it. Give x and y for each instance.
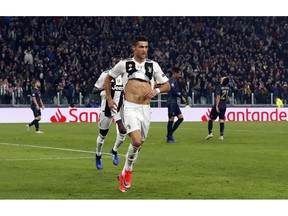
(139, 74)
(106, 116)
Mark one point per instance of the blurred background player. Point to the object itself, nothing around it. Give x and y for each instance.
(279, 102)
(172, 104)
(219, 109)
(36, 105)
(105, 118)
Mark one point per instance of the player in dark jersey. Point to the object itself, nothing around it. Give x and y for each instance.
(219, 109)
(173, 107)
(36, 105)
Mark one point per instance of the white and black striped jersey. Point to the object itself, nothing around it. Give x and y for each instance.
(148, 70)
(116, 93)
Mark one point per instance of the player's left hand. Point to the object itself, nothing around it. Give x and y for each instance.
(150, 93)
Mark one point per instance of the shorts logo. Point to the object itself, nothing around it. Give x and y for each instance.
(128, 127)
(58, 117)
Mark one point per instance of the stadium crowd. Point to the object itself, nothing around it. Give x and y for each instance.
(67, 54)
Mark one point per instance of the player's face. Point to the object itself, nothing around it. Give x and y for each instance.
(178, 75)
(140, 50)
(38, 84)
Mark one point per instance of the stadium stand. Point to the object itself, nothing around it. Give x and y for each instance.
(68, 54)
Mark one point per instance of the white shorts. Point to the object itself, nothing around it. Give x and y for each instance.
(137, 117)
(105, 122)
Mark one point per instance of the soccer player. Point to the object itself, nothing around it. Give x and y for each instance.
(36, 105)
(219, 109)
(105, 119)
(173, 107)
(139, 75)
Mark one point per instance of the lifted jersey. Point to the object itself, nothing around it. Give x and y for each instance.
(148, 70)
(116, 93)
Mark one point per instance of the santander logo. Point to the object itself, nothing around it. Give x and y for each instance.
(58, 117)
(206, 116)
(75, 115)
(251, 115)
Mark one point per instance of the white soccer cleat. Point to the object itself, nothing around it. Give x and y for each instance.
(27, 126)
(39, 132)
(221, 138)
(209, 136)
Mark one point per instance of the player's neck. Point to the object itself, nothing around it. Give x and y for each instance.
(139, 60)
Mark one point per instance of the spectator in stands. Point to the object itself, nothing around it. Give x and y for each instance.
(29, 61)
(79, 46)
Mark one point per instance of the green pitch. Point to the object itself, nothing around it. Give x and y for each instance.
(251, 163)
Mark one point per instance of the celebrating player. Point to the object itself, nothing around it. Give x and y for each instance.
(138, 74)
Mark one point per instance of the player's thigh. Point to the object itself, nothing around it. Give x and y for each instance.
(145, 123)
(178, 111)
(213, 114)
(222, 112)
(138, 119)
(172, 110)
(104, 122)
(36, 112)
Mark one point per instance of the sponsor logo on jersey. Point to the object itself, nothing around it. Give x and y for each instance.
(118, 88)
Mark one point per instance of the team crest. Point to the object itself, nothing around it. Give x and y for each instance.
(149, 69)
(129, 67)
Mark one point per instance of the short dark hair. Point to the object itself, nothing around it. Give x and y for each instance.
(117, 56)
(139, 38)
(225, 81)
(176, 70)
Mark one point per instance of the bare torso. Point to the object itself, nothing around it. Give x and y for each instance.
(135, 90)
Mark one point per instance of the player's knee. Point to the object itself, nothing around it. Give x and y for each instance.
(221, 120)
(122, 130)
(103, 132)
(137, 141)
(38, 118)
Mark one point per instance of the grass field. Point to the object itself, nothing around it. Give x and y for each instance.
(251, 163)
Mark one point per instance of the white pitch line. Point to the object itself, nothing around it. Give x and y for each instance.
(37, 159)
(52, 148)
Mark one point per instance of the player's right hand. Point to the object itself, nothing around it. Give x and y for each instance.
(37, 107)
(112, 105)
